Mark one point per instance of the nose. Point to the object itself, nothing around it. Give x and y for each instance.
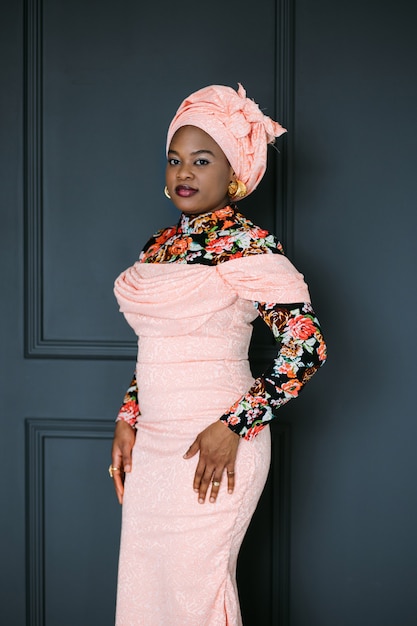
(184, 172)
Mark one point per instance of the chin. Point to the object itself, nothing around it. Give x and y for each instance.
(191, 210)
(195, 211)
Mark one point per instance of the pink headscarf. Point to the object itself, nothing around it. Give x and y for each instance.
(236, 124)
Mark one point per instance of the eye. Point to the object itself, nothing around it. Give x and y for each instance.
(173, 161)
(202, 162)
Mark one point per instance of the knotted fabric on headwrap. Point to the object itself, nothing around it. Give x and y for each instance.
(236, 124)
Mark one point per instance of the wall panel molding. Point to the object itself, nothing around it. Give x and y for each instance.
(284, 104)
(38, 431)
(281, 490)
(37, 342)
(281, 432)
(265, 548)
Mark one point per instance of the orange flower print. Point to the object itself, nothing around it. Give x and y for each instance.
(279, 317)
(308, 373)
(291, 349)
(218, 237)
(165, 235)
(292, 387)
(129, 411)
(259, 400)
(258, 387)
(254, 248)
(301, 327)
(322, 351)
(236, 255)
(288, 369)
(219, 245)
(222, 214)
(180, 246)
(258, 233)
(234, 407)
(158, 254)
(273, 315)
(203, 223)
(150, 251)
(255, 430)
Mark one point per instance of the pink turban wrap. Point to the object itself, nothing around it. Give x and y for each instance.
(236, 124)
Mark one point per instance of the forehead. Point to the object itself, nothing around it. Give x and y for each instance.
(192, 138)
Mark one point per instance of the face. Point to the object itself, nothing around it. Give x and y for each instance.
(198, 172)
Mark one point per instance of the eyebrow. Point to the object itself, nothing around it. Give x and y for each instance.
(195, 152)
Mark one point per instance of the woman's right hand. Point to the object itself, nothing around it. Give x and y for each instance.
(121, 455)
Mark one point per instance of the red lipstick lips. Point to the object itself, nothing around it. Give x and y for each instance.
(185, 191)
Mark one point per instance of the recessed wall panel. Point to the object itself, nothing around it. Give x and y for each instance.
(103, 82)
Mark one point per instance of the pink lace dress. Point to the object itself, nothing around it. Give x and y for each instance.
(193, 321)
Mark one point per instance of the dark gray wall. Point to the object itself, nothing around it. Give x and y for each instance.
(87, 90)
(354, 500)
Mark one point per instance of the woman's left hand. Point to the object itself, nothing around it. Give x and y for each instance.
(218, 448)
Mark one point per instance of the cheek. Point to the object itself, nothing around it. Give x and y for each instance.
(223, 180)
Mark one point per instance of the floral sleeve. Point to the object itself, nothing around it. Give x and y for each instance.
(302, 352)
(129, 411)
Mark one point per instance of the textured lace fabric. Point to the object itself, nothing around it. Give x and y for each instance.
(217, 239)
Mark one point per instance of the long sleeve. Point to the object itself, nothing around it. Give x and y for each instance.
(129, 411)
(252, 266)
(302, 351)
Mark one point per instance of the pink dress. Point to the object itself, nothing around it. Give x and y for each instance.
(178, 557)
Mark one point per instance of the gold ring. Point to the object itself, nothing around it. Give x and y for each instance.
(230, 473)
(216, 483)
(113, 469)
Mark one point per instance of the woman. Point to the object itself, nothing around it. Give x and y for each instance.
(191, 463)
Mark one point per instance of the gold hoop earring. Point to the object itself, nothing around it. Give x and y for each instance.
(236, 189)
(166, 192)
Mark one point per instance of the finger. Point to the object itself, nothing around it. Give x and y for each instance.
(205, 484)
(199, 474)
(230, 479)
(118, 474)
(192, 450)
(127, 459)
(118, 484)
(121, 455)
(215, 486)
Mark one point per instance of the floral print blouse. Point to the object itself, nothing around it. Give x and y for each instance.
(218, 237)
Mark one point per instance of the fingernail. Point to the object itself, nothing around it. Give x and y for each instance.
(195, 490)
(212, 500)
(200, 501)
(230, 491)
